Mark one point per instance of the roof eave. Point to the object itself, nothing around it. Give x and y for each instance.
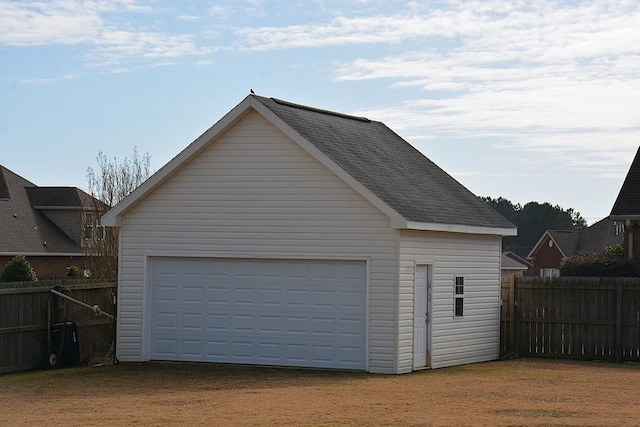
(461, 228)
(60, 208)
(624, 217)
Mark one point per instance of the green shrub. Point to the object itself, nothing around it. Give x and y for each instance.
(591, 264)
(75, 271)
(615, 250)
(18, 270)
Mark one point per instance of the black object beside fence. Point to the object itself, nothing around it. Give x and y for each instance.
(27, 309)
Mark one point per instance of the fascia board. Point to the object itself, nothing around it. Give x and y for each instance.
(60, 208)
(535, 247)
(459, 228)
(397, 220)
(113, 217)
(624, 217)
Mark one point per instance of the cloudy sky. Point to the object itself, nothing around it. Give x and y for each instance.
(528, 100)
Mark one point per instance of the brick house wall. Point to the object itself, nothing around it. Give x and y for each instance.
(547, 257)
(636, 241)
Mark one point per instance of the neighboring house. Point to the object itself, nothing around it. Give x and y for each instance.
(626, 210)
(556, 245)
(50, 226)
(513, 264)
(288, 235)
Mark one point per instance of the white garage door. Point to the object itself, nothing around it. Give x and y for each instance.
(271, 312)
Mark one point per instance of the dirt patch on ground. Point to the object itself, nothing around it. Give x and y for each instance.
(517, 393)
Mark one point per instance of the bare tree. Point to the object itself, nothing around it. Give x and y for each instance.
(110, 183)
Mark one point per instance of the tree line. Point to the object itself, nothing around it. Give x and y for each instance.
(532, 220)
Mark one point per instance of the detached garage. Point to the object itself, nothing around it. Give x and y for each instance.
(292, 236)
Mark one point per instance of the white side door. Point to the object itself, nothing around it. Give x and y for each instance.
(421, 309)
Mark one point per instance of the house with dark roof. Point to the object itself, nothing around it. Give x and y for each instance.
(556, 245)
(513, 264)
(294, 236)
(50, 226)
(626, 210)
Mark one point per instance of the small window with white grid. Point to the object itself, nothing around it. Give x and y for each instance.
(458, 297)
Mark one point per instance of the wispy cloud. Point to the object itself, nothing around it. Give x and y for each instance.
(189, 18)
(103, 26)
(560, 81)
(42, 23)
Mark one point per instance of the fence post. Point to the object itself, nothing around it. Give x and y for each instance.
(619, 324)
(512, 316)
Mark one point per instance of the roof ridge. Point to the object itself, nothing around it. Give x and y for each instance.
(319, 110)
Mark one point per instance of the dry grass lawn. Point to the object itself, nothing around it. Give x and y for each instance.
(516, 393)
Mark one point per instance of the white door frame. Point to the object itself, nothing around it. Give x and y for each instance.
(421, 316)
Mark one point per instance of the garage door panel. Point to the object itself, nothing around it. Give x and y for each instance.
(261, 351)
(270, 324)
(351, 327)
(166, 347)
(217, 350)
(167, 293)
(271, 297)
(219, 295)
(193, 293)
(167, 321)
(299, 298)
(298, 313)
(193, 321)
(191, 348)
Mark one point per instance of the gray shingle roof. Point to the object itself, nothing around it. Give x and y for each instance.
(628, 201)
(594, 238)
(49, 197)
(598, 236)
(25, 230)
(567, 240)
(388, 166)
(509, 263)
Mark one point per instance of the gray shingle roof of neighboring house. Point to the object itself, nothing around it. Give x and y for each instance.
(627, 205)
(23, 229)
(567, 241)
(594, 238)
(388, 166)
(520, 260)
(508, 263)
(598, 236)
(59, 197)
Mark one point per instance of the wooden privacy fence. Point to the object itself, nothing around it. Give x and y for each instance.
(571, 317)
(24, 320)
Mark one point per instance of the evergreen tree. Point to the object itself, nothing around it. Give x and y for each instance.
(532, 220)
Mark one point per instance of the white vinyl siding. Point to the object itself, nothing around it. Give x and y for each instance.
(254, 193)
(472, 338)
